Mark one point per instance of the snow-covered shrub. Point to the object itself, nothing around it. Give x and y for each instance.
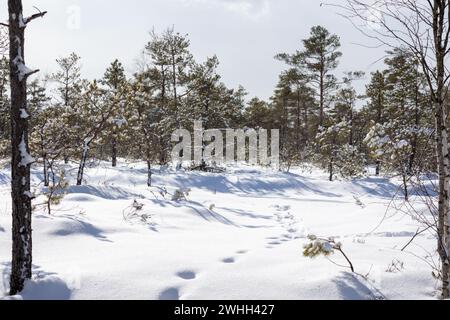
(135, 212)
(333, 152)
(349, 161)
(181, 195)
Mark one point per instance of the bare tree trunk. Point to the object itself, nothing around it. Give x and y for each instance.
(114, 149)
(149, 173)
(82, 165)
(405, 186)
(46, 177)
(331, 168)
(322, 100)
(21, 268)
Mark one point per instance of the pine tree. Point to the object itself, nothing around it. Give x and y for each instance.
(21, 267)
(318, 59)
(68, 85)
(93, 115)
(376, 109)
(37, 103)
(116, 82)
(143, 127)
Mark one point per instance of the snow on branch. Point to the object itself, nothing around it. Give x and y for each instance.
(24, 21)
(23, 71)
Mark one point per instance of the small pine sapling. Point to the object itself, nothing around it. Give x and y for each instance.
(324, 247)
(56, 191)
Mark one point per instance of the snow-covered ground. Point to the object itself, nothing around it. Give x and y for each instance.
(239, 235)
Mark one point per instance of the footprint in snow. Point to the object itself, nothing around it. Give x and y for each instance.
(282, 208)
(229, 260)
(170, 294)
(187, 275)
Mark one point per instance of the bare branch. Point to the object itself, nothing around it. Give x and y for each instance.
(34, 16)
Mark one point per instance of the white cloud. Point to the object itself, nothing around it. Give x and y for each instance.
(253, 9)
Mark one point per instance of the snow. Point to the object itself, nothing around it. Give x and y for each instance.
(24, 114)
(23, 70)
(237, 235)
(22, 21)
(26, 158)
(120, 122)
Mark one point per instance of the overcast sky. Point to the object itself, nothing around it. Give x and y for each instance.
(244, 34)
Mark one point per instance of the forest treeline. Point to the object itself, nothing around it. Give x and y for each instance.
(321, 117)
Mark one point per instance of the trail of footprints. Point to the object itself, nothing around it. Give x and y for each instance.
(293, 228)
(173, 293)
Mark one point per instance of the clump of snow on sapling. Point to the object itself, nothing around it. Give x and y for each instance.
(317, 247)
(324, 247)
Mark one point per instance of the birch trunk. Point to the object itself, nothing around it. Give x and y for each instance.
(443, 206)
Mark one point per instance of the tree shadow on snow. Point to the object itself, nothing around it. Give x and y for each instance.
(261, 184)
(352, 288)
(107, 193)
(78, 227)
(205, 213)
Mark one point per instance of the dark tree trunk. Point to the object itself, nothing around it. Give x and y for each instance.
(114, 149)
(405, 186)
(149, 173)
(21, 161)
(82, 165)
(46, 177)
(378, 168)
(322, 100)
(331, 168)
